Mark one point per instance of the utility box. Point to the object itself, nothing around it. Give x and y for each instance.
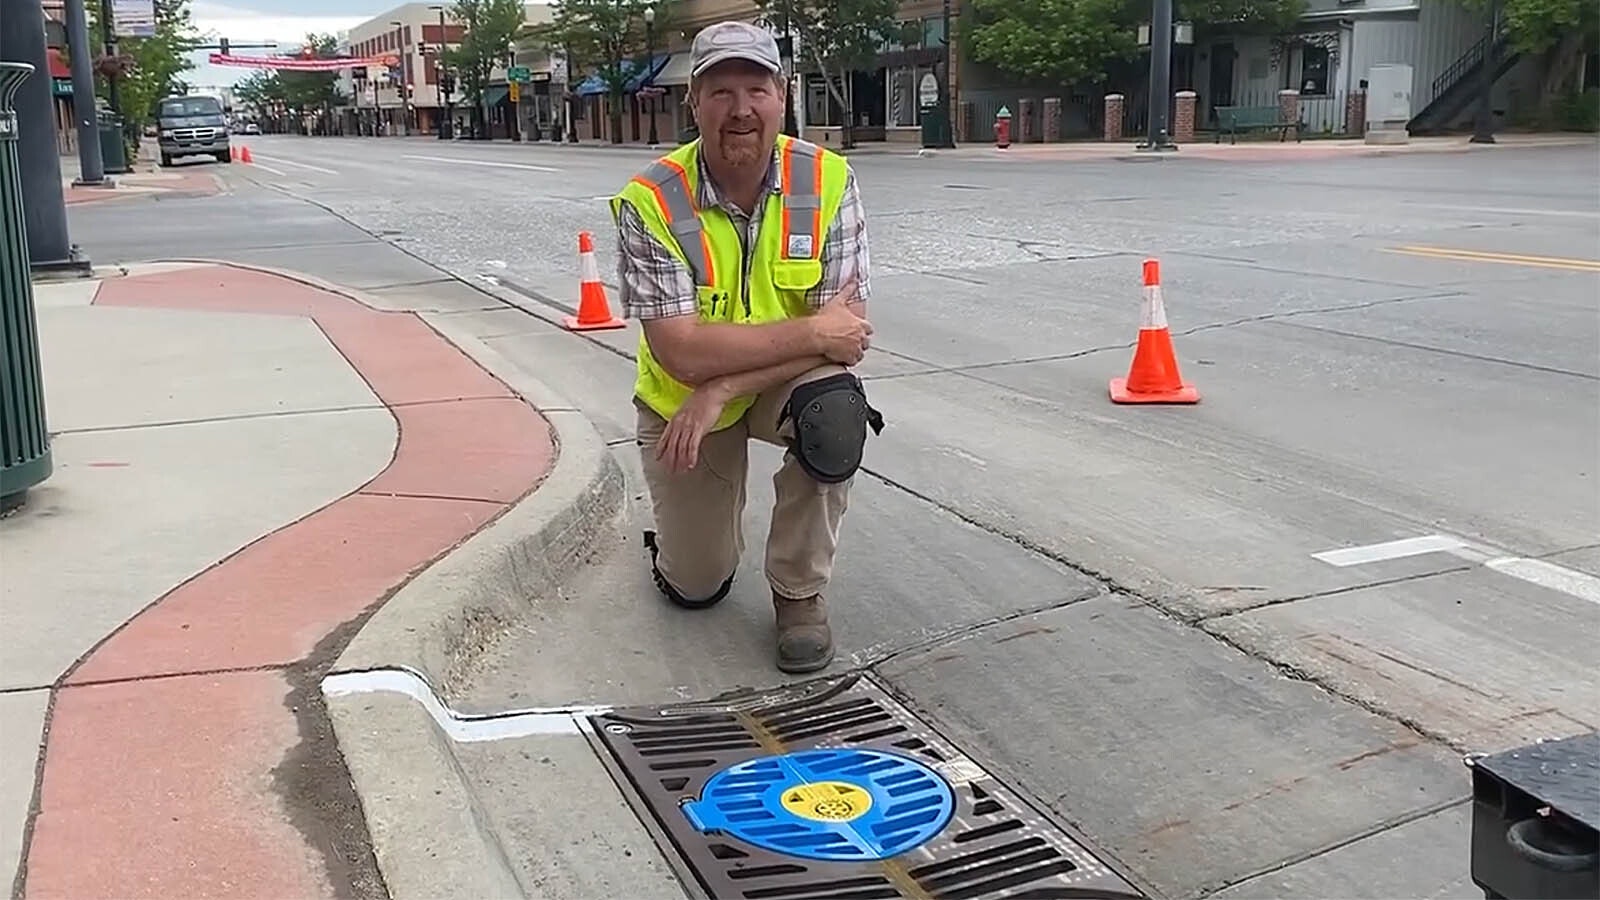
(1536, 820)
(1388, 103)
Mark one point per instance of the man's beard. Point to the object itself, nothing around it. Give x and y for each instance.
(742, 149)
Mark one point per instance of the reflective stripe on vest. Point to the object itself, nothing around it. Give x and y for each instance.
(670, 183)
(800, 168)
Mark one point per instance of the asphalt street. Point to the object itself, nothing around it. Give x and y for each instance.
(1242, 645)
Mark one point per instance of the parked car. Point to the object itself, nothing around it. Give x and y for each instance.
(193, 125)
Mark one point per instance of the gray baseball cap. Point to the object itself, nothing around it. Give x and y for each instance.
(733, 40)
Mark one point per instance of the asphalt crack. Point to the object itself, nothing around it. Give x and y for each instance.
(1196, 329)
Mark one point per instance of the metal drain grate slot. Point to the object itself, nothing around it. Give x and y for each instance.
(1011, 880)
(672, 765)
(810, 890)
(987, 831)
(764, 871)
(833, 789)
(876, 734)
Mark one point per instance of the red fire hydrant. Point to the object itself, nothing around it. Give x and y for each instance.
(1002, 128)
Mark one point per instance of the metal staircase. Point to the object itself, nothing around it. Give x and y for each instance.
(1457, 86)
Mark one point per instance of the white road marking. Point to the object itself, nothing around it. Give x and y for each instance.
(482, 162)
(461, 728)
(1534, 571)
(1514, 211)
(301, 165)
(1546, 574)
(278, 172)
(1371, 553)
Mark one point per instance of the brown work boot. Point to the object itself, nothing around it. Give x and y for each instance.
(805, 643)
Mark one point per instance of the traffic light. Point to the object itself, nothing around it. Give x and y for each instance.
(222, 44)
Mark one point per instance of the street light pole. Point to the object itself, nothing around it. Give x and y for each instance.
(405, 77)
(441, 78)
(572, 95)
(791, 124)
(91, 166)
(650, 53)
(1483, 129)
(947, 139)
(1159, 137)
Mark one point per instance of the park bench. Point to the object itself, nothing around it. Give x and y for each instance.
(1231, 120)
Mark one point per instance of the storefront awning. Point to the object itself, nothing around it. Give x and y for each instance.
(675, 72)
(637, 76)
(495, 94)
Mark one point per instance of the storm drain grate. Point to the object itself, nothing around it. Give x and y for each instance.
(833, 789)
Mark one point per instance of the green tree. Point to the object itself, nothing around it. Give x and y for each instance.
(491, 26)
(147, 68)
(299, 91)
(1073, 42)
(1559, 33)
(839, 37)
(607, 35)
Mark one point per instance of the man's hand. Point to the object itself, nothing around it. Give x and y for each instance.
(842, 336)
(679, 445)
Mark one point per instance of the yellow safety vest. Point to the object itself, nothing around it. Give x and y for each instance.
(786, 260)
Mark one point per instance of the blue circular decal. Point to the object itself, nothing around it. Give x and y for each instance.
(826, 804)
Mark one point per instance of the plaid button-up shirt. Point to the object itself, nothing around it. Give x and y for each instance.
(656, 285)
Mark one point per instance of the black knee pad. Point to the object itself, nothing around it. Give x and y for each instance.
(673, 593)
(831, 417)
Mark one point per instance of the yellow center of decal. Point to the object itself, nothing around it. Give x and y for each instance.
(827, 801)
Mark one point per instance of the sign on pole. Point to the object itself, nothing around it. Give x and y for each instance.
(133, 18)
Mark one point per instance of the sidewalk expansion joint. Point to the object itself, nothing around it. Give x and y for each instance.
(1330, 592)
(64, 685)
(415, 496)
(1459, 354)
(1268, 318)
(1388, 824)
(961, 632)
(236, 417)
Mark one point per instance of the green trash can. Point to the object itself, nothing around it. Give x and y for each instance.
(113, 149)
(24, 438)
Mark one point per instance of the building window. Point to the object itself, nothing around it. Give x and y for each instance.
(1313, 71)
(933, 31)
(905, 108)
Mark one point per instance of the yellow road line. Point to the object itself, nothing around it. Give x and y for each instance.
(1510, 259)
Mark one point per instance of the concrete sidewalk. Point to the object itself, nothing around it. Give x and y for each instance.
(246, 466)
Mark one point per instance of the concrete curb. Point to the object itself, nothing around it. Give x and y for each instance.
(429, 831)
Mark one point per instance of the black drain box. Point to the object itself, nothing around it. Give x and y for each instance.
(1536, 821)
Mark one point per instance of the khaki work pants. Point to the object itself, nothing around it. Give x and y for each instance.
(700, 513)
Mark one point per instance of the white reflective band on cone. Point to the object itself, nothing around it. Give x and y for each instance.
(1152, 312)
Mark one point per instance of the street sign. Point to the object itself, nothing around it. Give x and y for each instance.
(515, 91)
(133, 18)
(519, 74)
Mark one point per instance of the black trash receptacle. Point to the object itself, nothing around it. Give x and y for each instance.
(113, 148)
(24, 438)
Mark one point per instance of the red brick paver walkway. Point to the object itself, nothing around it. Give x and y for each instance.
(147, 184)
(158, 777)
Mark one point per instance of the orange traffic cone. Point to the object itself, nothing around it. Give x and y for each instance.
(244, 154)
(594, 312)
(1153, 377)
